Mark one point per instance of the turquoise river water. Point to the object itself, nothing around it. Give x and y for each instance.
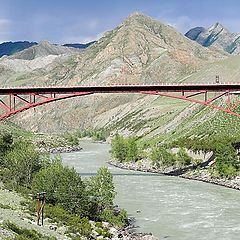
(168, 207)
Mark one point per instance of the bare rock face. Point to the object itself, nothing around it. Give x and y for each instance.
(216, 36)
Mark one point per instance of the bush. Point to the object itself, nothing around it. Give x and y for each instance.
(183, 158)
(25, 234)
(76, 224)
(119, 148)
(72, 139)
(227, 163)
(119, 220)
(161, 157)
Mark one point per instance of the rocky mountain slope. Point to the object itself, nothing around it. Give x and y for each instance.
(42, 49)
(9, 48)
(216, 36)
(141, 50)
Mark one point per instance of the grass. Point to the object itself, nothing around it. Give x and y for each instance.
(25, 234)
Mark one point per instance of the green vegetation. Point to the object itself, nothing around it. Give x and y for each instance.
(160, 157)
(125, 149)
(75, 223)
(72, 139)
(129, 150)
(101, 189)
(69, 199)
(227, 163)
(96, 135)
(119, 220)
(25, 234)
(63, 186)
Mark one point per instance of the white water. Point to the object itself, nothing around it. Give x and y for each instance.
(170, 207)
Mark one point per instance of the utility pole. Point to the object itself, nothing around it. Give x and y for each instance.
(41, 197)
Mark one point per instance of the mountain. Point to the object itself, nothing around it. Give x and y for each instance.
(36, 57)
(216, 36)
(141, 50)
(42, 49)
(194, 32)
(79, 45)
(9, 48)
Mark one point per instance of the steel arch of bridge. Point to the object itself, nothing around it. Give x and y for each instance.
(15, 100)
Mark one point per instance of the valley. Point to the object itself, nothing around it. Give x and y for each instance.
(150, 133)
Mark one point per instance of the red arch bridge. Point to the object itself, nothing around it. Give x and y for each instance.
(19, 99)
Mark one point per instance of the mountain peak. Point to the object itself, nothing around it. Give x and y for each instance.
(217, 27)
(136, 17)
(195, 32)
(216, 36)
(43, 49)
(136, 14)
(44, 43)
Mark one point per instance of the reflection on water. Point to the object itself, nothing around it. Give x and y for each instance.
(169, 207)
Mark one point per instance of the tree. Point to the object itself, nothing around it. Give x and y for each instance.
(132, 149)
(227, 163)
(63, 186)
(101, 189)
(22, 160)
(6, 141)
(119, 148)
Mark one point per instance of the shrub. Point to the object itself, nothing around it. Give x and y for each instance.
(76, 224)
(119, 220)
(183, 158)
(25, 234)
(162, 157)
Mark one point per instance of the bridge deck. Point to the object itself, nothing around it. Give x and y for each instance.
(123, 88)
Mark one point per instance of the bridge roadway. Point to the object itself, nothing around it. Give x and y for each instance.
(18, 99)
(223, 87)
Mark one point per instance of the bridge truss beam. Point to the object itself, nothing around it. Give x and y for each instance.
(15, 100)
(19, 103)
(207, 101)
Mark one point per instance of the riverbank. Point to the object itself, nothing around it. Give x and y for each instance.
(193, 174)
(61, 149)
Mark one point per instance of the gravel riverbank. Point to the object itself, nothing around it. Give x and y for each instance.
(61, 149)
(193, 174)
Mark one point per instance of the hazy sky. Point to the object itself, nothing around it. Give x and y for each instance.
(70, 21)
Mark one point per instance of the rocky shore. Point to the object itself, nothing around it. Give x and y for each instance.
(61, 149)
(191, 173)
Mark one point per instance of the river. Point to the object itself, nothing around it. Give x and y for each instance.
(169, 207)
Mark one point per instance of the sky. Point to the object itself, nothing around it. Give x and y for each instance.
(78, 21)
